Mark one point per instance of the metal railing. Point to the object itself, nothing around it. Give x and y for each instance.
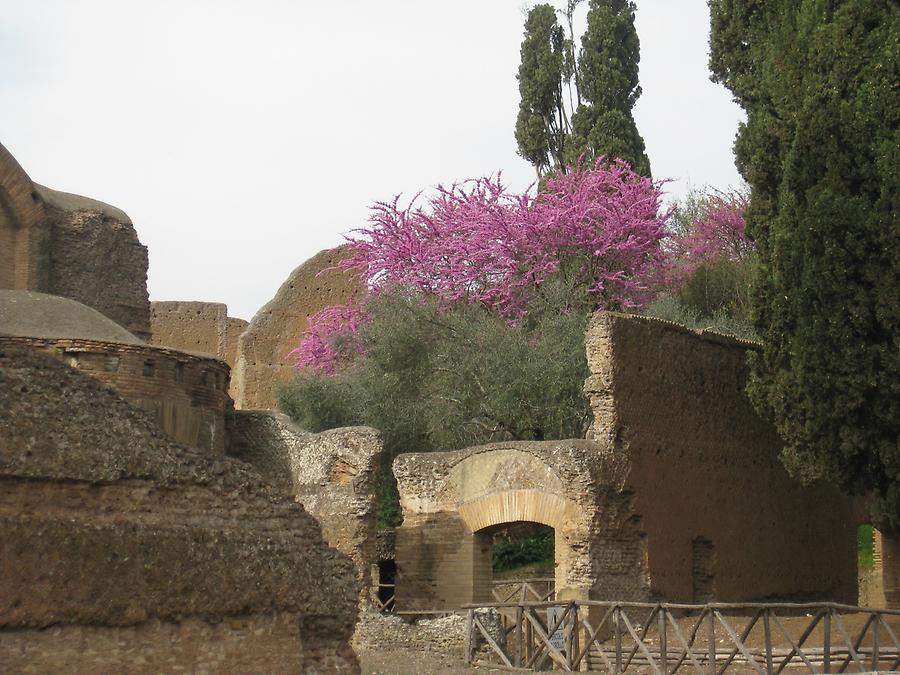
(666, 637)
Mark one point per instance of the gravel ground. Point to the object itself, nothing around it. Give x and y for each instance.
(409, 662)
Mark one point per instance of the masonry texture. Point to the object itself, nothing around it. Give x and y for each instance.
(450, 500)
(199, 327)
(67, 245)
(185, 393)
(125, 552)
(331, 473)
(263, 361)
(704, 465)
(678, 494)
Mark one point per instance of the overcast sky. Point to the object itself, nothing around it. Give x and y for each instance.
(243, 137)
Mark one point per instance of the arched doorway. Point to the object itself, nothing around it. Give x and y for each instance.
(456, 504)
(522, 559)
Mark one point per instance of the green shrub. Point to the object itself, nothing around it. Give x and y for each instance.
(442, 380)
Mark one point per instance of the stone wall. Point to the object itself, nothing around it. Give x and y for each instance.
(704, 465)
(331, 473)
(125, 552)
(23, 231)
(186, 394)
(263, 360)
(67, 245)
(203, 327)
(452, 500)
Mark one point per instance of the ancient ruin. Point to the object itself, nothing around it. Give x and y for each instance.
(331, 473)
(124, 552)
(185, 393)
(67, 245)
(202, 327)
(264, 348)
(659, 503)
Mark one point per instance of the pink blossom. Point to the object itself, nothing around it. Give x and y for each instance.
(718, 233)
(477, 242)
(330, 339)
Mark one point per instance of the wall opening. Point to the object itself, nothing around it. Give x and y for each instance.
(509, 554)
(703, 556)
(387, 579)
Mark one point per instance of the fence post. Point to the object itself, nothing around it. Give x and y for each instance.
(826, 647)
(618, 632)
(768, 635)
(470, 642)
(517, 662)
(875, 641)
(711, 636)
(663, 644)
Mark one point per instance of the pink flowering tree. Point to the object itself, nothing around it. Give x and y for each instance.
(476, 242)
(718, 232)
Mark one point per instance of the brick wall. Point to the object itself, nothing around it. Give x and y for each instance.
(187, 395)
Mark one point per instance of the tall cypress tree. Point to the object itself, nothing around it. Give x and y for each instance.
(542, 126)
(608, 83)
(817, 79)
(606, 88)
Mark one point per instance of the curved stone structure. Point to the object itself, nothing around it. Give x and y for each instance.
(73, 246)
(186, 393)
(263, 360)
(124, 552)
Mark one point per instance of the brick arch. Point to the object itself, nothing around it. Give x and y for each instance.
(510, 506)
(451, 500)
(21, 215)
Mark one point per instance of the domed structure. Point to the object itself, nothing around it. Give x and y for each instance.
(187, 393)
(39, 315)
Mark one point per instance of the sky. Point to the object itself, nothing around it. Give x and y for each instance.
(243, 137)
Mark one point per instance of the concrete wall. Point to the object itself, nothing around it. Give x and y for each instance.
(331, 473)
(263, 360)
(186, 394)
(704, 465)
(125, 552)
(203, 327)
(71, 246)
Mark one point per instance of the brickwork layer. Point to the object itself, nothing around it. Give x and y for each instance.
(125, 552)
(187, 394)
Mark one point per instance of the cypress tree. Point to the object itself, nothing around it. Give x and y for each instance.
(818, 81)
(608, 84)
(542, 126)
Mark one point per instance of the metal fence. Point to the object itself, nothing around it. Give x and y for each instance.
(667, 638)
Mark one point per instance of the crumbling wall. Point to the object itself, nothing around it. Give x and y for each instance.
(67, 245)
(451, 500)
(23, 232)
(125, 552)
(263, 363)
(704, 465)
(331, 473)
(95, 257)
(203, 327)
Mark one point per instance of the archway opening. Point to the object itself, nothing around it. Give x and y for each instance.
(517, 562)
